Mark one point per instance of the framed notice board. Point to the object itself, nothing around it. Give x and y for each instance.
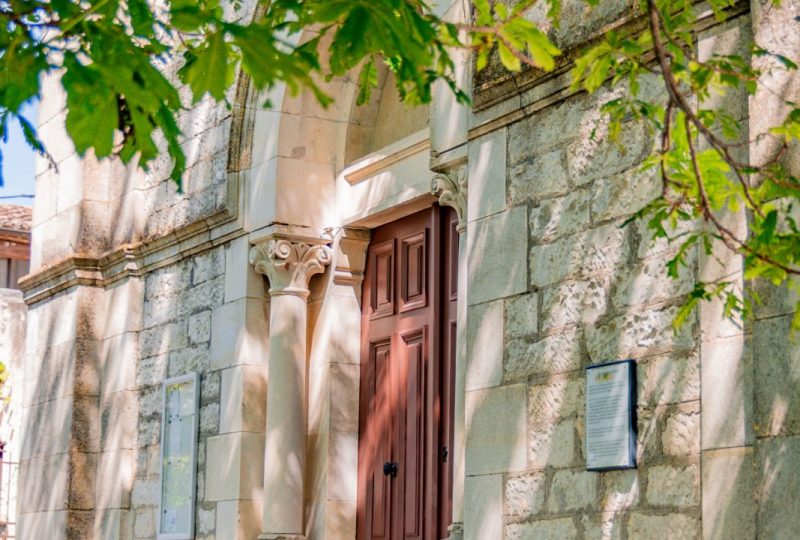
(611, 416)
(178, 457)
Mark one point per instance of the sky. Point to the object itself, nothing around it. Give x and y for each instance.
(18, 162)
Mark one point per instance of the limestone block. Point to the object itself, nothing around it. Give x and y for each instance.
(483, 507)
(493, 239)
(559, 353)
(148, 432)
(238, 520)
(525, 495)
(241, 279)
(199, 327)
(554, 218)
(120, 308)
(234, 466)
(342, 474)
(487, 175)
(556, 400)
(778, 487)
(118, 358)
(572, 490)
(538, 177)
(622, 490)
(146, 492)
(496, 428)
(623, 194)
(647, 282)
(206, 519)
(522, 314)
(340, 520)
(673, 379)
(160, 310)
(652, 527)
(669, 485)
(243, 400)
(184, 361)
(729, 506)
(164, 338)
(115, 476)
(573, 302)
(152, 370)
(484, 345)
(209, 419)
(239, 333)
(144, 523)
(594, 155)
(774, 300)
(168, 280)
(681, 436)
(602, 526)
(728, 38)
(344, 381)
(209, 386)
(552, 445)
(636, 334)
(726, 371)
(776, 360)
(47, 428)
(208, 265)
(113, 523)
(52, 524)
(51, 471)
(548, 129)
(119, 417)
(206, 295)
(551, 529)
(599, 250)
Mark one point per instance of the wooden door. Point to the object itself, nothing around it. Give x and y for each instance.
(407, 375)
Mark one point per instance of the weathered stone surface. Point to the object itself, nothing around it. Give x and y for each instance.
(598, 250)
(199, 327)
(574, 302)
(497, 266)
(673, 379)
(623, 194)
(144, 525)
(554, 218)
(653, 527)
(208, 265)
(572, 490)
(496, 431)
(487, 175)
(681, 436)
(552, 445)
(669, 485)
(525, 495)
(777, 370)
(637, 333)
(605, 526)
(647, 282)
(484, 345)
(483, 507)
(778, 487)
(556, 400)
(621, 490)
(551, 529)
(548, 129)
(522, 314)
(559, 353)
(537, 177)
(729, 505)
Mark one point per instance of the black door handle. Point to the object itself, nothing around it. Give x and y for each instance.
(390, 468)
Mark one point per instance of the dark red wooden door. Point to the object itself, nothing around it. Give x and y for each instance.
(407, 375)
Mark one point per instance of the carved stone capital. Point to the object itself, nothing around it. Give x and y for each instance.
(451, 190)
(455, 531)
(289, 265)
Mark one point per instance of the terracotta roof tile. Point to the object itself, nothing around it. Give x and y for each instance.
(15, 217)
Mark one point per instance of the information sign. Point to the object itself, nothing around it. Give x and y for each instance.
(611, 416)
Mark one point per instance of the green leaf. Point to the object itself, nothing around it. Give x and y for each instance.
(207, 68)
(508, 59)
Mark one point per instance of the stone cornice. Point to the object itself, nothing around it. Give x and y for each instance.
(451, 190)
(289, 264)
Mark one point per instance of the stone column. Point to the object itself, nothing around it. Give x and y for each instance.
(288, 265)
(451, 190)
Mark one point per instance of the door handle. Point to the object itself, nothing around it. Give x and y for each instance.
(390, 468)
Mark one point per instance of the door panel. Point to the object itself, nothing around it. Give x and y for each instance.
(405, 396)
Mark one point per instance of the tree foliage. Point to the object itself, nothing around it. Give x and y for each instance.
(115, 56)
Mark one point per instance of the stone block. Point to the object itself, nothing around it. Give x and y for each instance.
(621, 490)
(496, 430)
(344, 383)
(602, 526)
(673, 379)
(551, 529)
(776, 360)
(52, 524)
(572, 490)
(119, 417)
(239, 334)
(184, 361)
(243, 400)
(199, 328)
(647, 282)
(483, 507)
(552, 445)
(492, 240)
(234, 466)
(119, 356)
(238, 520)
(151, 371)
(525, 495)
(487, 175)
(554, 218)
(340, 519)
(669, 485)
(556, 400)
(559, 353)
(144, 523)
(241, 279)
(121, 309)
(146, 492)
(597, 251)
(113, 523)
(522, 314)
(342, 474)
(548, 129)
(594, 155)
(484, 345)
(115, 472)
(681, 436)
(726, 371)
(729, 506)
(624, 194)
(206, 295)
(206, 519)
(778, 487)
(209, 419)
(653, 527)
(537, 177)
(51, 471)
(575, 302)
(637, 334)
(208, 265)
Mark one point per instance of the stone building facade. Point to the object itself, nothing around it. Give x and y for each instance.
(253, 279)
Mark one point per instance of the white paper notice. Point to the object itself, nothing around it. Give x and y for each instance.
(608, 416)
(174, 431)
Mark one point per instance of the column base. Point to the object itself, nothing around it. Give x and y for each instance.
(280, 536)
(455, 531)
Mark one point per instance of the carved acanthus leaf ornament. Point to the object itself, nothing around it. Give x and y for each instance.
(289, 265)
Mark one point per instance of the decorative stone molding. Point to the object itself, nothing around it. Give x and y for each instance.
(351, 257)
(289, 265)
(451, 190)
(455, 531)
